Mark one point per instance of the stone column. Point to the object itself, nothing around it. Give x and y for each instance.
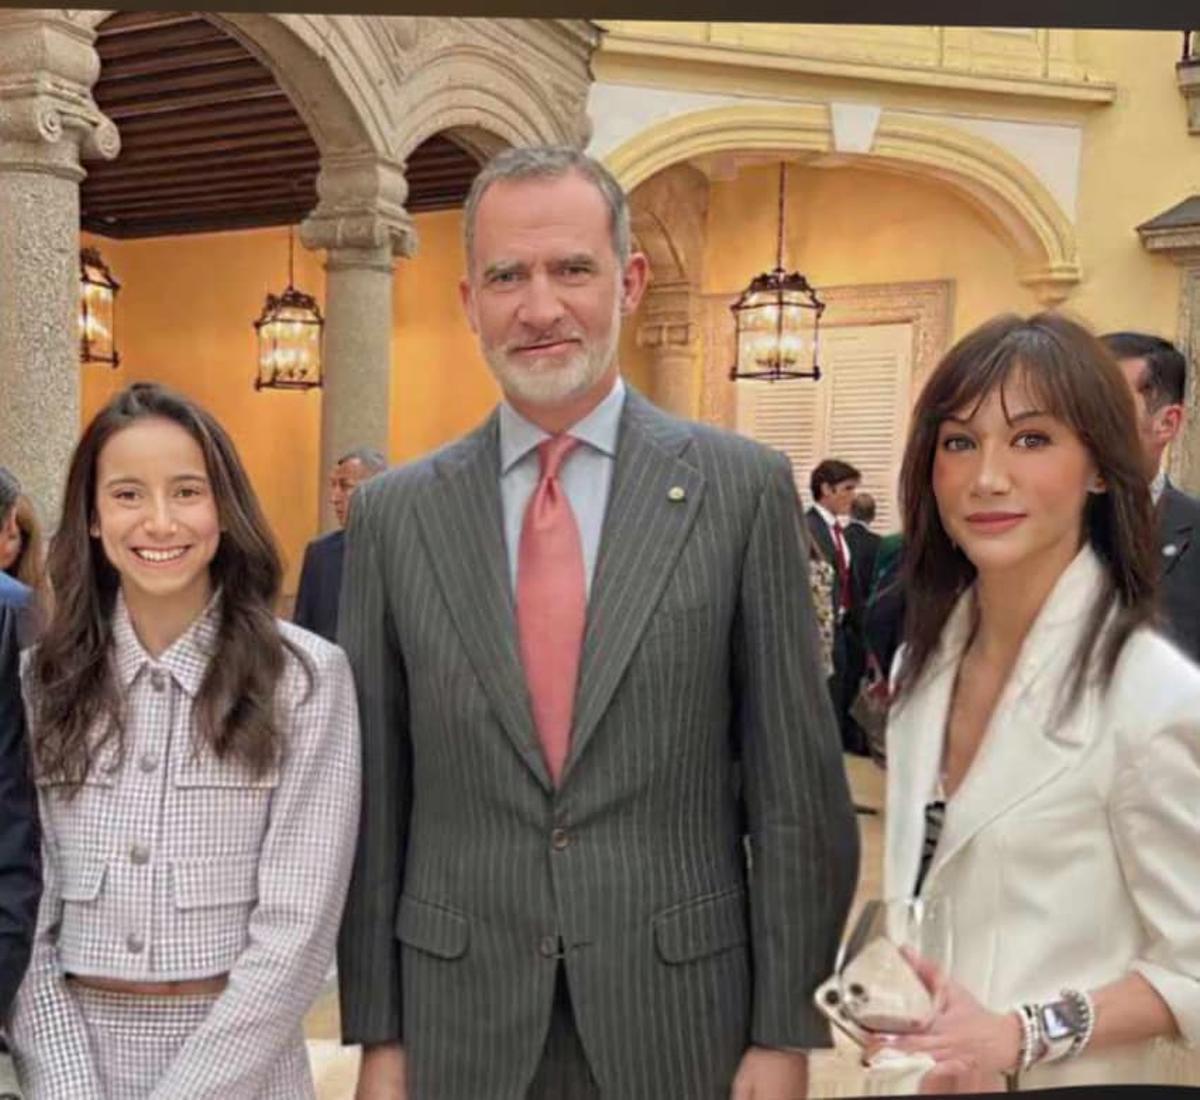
(1176, 234)
(48, 120)
(361, 221)
(669, 331)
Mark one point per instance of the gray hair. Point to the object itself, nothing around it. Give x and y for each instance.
(862, 508)
(10, 490)
(551, 162)
(371, 458)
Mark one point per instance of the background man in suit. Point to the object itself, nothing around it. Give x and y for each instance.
(1157, 373)
(587, 668)
(864, 543)
(321, 573)
(20, 865)
(834, 484)
(13, 593)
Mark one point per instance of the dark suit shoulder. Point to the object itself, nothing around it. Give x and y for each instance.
(1180, 507)
(325, 543)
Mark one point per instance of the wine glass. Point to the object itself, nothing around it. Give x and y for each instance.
(891, 971)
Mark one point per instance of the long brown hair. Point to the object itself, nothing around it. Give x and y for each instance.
(1076, 380)
(74, 686)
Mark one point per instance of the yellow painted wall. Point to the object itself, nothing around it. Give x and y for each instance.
(441, 386)
(184, 319)
(1138, 161)
(185, 313)
(850, 226)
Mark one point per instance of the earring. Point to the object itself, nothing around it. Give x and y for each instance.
(1097, 486)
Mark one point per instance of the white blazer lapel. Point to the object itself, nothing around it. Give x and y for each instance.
(1026, 744)
(915, 733)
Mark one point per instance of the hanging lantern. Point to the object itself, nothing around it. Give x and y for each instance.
(777, 319)
(289, 337)
(97, 309)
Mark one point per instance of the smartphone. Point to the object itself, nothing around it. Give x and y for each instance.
(828, 1000)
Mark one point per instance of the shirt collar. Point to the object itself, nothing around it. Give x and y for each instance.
(186, 659)
(830, 519)
(598, 429)
(1158, 485)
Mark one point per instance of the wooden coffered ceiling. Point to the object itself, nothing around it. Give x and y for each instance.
(209, 141)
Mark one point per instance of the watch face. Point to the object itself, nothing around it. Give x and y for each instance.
(1061, 1020)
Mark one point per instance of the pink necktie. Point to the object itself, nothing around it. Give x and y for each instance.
(551, 604)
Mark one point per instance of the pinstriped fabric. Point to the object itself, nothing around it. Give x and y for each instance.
(701, 716)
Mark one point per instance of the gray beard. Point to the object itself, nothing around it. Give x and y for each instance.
(552, 385)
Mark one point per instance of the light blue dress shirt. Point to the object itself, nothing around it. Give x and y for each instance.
(585, 475)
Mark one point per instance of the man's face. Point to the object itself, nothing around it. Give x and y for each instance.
(1155, 429)
(545, 292)
(837, 498)
(346, 477)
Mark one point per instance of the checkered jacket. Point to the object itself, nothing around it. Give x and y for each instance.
(173, 864)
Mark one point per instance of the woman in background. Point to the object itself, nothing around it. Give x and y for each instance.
(1039, 711)
(199, 775)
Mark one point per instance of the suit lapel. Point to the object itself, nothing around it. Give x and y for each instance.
(652, 505)
(1174, 528)
(819, 530)
(1025, 746)
(461, 521)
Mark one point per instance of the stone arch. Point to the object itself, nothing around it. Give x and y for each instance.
(991, 179)
(469, 93)
(312, 64)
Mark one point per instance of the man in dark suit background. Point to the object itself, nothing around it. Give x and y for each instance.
(1157, 373)
(864, 543)
(321, 574)
(20, 864)
(13, 592)
(588, 671)
(833, 484)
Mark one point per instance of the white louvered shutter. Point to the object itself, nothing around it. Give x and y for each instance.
(857, 412)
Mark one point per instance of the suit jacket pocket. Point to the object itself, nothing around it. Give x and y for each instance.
(433, 929)
(702, 926)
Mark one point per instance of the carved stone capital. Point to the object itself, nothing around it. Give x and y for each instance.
(360, 207)
(1188, 75)
(48, 119)
(1053, 283)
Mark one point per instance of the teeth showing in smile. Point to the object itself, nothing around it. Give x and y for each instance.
(161, 555)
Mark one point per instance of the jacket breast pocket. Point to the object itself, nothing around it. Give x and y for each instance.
(433, 929)
(701, 927)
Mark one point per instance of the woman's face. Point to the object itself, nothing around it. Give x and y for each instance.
(156, 517)
(1011, 489)
(11, 541)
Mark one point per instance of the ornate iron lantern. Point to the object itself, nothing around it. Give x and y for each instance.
(97, 310)
(289, 337)
(777, 319)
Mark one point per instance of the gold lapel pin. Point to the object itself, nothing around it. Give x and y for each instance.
(676, 493)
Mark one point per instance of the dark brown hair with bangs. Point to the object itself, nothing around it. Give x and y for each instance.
(1076, 380)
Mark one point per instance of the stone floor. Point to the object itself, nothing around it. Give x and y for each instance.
(833, 1074)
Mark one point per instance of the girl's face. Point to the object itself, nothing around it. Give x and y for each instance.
(155, 514)
(11, 541)
(1011, 489)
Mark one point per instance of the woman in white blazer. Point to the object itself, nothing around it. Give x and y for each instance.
(1044, 740)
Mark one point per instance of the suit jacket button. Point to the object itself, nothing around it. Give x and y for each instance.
(559, 840)
(158, 679)
(134, 944)
(548, 947)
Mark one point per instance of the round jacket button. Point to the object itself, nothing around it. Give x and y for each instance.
(134, 944)
(559, 839)
(148, 762)
(139, 854)
(549, 946)
(158, 679)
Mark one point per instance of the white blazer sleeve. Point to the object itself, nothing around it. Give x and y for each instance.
(1155, 815)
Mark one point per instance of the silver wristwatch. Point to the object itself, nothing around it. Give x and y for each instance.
(1065, 1025)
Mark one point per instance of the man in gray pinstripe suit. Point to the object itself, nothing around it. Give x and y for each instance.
(543, 911)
